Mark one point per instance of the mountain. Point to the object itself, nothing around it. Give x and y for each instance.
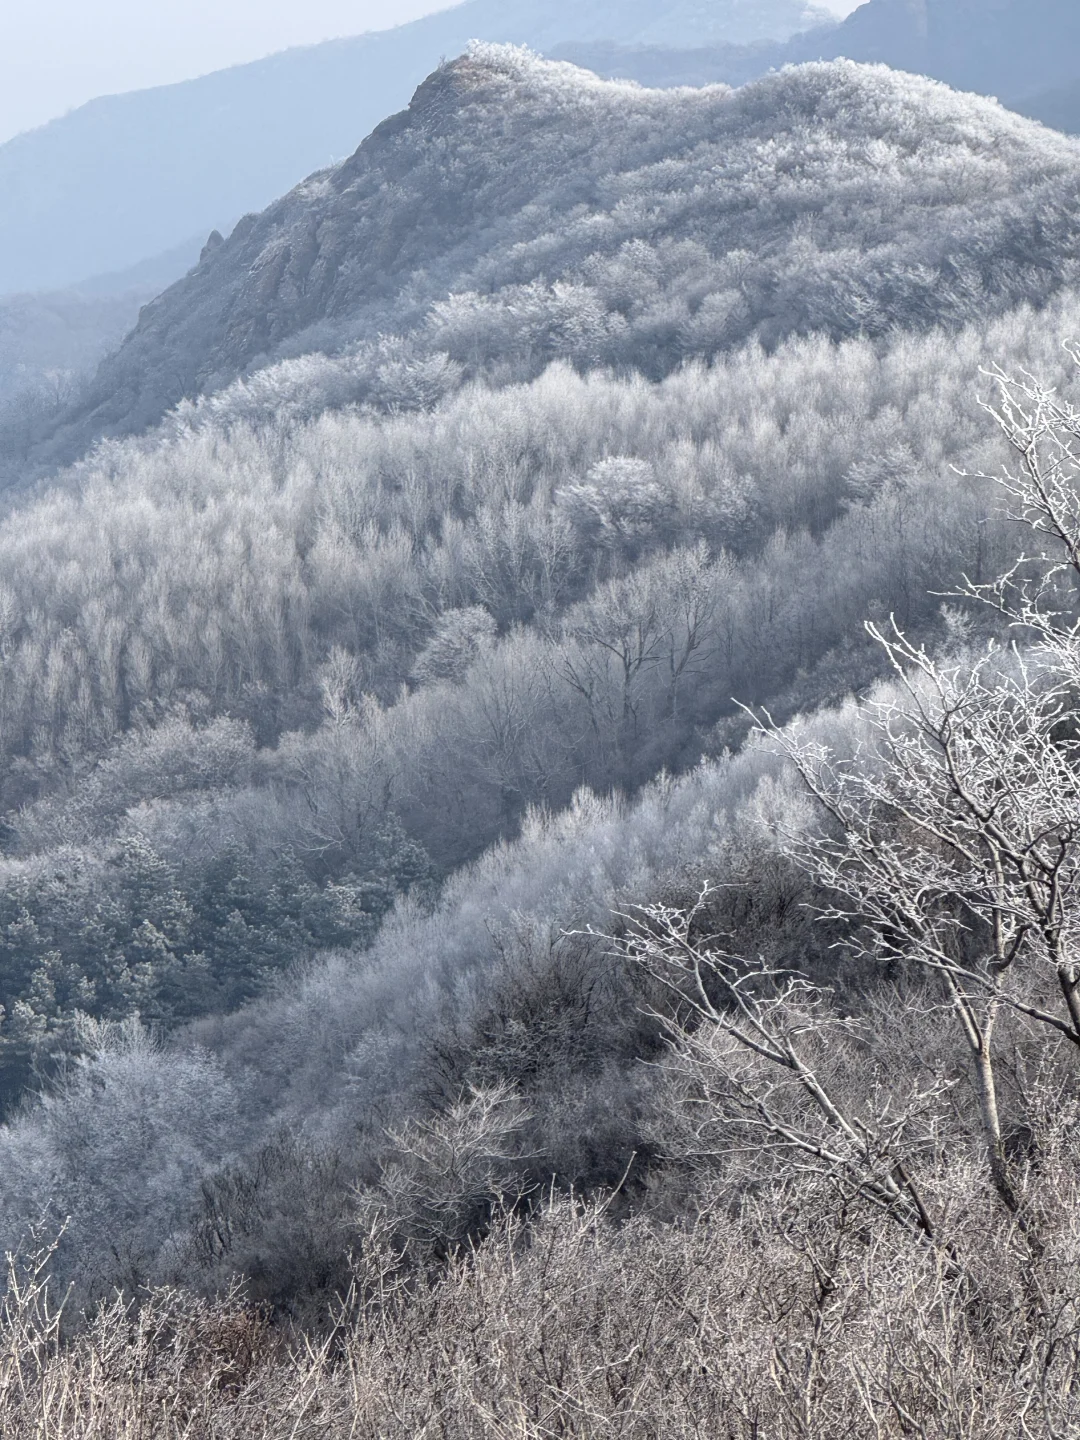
(1058, 107)
(671, 66)
(346, 711)
(1013, 49)
(129, 177)
(525, 208)
(49, 338)
(55, 337)
(1008, 48)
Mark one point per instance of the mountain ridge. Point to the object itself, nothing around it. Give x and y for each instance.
(127, 177)
(508, 171)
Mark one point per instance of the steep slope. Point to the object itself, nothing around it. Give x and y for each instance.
(524, 208)
(130, 176)
(1013, 49)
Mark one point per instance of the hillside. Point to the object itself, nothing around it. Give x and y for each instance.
(630, 225)
(127, 177)
(539, 864)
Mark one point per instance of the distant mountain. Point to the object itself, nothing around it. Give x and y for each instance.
(669, 66)
(1007, 48)
(525, 208)
(49, 340)
(131, 176)
(45, 339)
(1016, 50)
(1058, 107)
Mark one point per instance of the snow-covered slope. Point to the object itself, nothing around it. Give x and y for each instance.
(522, 209)
(129, 177)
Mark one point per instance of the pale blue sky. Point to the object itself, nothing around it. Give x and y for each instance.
(56, 54)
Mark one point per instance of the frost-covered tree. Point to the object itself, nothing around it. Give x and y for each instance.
(952, 838)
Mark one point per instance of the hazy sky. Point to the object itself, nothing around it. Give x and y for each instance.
(56, 54)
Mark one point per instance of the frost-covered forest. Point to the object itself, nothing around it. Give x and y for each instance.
(444, 765)
(520, 211)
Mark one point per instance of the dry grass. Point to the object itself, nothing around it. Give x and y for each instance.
(799, 1317)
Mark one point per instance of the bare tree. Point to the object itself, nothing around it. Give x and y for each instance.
(446, 1173)
(761, 1051)
(952, 834)
(1039, 595)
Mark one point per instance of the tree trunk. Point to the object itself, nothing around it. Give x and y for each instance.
(986, 1089)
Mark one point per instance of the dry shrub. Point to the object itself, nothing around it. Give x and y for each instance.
(800, 1314)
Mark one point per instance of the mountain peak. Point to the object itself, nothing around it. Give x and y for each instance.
(131, 176)
(510, 176)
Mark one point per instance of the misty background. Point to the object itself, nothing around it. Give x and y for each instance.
(59, 54)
